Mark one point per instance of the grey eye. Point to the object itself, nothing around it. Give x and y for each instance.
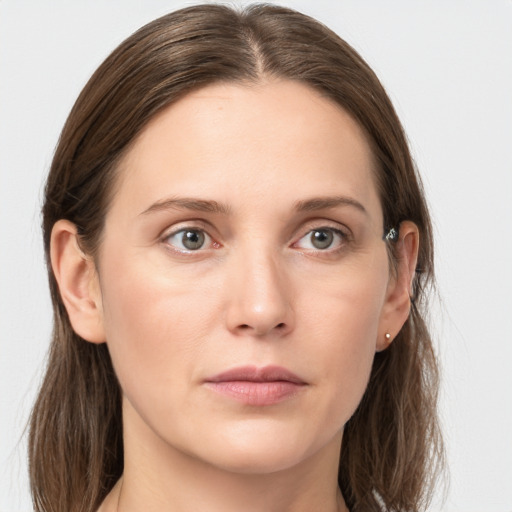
(322, 238)
(192, 240)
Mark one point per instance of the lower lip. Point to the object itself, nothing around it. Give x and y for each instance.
(257, 393)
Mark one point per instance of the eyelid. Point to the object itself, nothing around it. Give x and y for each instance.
(314, 224)
(192, 224)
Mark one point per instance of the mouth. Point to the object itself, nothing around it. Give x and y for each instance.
(257, 386)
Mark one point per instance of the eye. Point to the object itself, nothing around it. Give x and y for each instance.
(188, 239)
(321, 239)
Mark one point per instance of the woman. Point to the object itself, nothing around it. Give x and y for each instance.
(238, 250)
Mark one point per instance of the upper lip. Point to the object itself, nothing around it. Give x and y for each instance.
(255, 374)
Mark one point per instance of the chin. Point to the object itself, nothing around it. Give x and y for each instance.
(262, 452)
(263, 462)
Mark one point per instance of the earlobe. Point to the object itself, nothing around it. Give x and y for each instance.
(398, 297)
(78, 282)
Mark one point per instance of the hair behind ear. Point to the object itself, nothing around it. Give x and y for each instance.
(76, 423)
(378, 445)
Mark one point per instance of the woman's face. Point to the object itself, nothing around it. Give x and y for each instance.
(243, 276)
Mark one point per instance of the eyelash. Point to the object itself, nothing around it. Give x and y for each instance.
(342, 237)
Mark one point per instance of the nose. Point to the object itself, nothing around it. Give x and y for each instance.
(259, 296)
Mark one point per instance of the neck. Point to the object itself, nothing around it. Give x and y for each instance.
(161, 478)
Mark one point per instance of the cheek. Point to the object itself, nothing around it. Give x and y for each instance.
(154, 324)
(347, 302)
(343, 319)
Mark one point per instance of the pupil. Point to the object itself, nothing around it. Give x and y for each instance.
(321, 239)
(193, 240)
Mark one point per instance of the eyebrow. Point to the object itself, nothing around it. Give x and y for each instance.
(324, 203)
(211, 206)
(188, 203)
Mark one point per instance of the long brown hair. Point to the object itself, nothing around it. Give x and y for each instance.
(391, 446)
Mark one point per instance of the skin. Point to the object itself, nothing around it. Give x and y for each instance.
(258, 292)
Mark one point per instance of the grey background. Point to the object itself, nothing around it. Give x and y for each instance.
(447, 66)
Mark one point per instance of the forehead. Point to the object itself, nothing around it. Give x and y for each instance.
(233, 142)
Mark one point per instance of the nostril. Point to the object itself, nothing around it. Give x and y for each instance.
(246, 327)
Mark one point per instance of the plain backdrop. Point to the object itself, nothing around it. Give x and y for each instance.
(447, 66)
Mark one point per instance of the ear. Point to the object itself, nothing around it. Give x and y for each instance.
(78, 282)
(398, 295)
